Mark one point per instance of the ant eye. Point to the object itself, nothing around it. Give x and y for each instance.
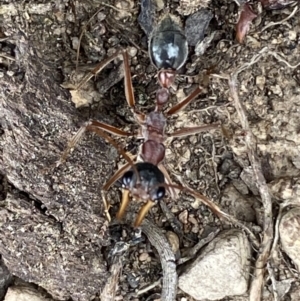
(160, 193)
(127, 178)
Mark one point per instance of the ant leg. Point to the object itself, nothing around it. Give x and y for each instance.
(142, 213)
(193, 130)
(106, 205)
(171, 190)
(116, 176)
(99, 128)
(206, 201)
(108, 128)
(217, 210)
(140, 117)
(181, 105)
(127, 80)
(124, 204)
(98, 69)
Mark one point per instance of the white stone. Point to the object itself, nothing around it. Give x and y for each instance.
(24, 293)
(221, 270)
(289, 229)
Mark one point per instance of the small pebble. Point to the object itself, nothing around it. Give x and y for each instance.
(132, 51)
(292, 35)
(173, 240)
(101, 16)
(183, 217)
(144, 256)
(193, 220)
(75, 42)
(260, 82)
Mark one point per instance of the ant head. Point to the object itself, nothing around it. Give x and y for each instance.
(145, 183)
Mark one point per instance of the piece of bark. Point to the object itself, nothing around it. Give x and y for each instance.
(54, 241)
(196, 26)
(146, 16)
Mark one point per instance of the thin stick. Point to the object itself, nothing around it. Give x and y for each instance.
(6, 56)
(266, 244)
(257, 282)
(280, 58)
(148, 288)
(110, 288)
(82, 32)
(282, 21)
(89, 21)
(194, 250)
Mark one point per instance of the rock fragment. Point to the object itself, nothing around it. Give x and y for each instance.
(196, 26)
(239, 206)
(221, 270)
(5, 279)
(146, 16)
(286, 189)
(289, 229)
(173, 240)
(24, 293)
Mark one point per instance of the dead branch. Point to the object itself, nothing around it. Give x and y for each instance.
(257, 282)
(167, 258)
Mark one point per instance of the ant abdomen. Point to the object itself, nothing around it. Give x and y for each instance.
(168, 48)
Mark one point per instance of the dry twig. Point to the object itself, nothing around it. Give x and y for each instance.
(7, 56)
(167, 258)
(194, 250)
(82, 33)
(257, 282)
(148, 288)
(282, 21)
